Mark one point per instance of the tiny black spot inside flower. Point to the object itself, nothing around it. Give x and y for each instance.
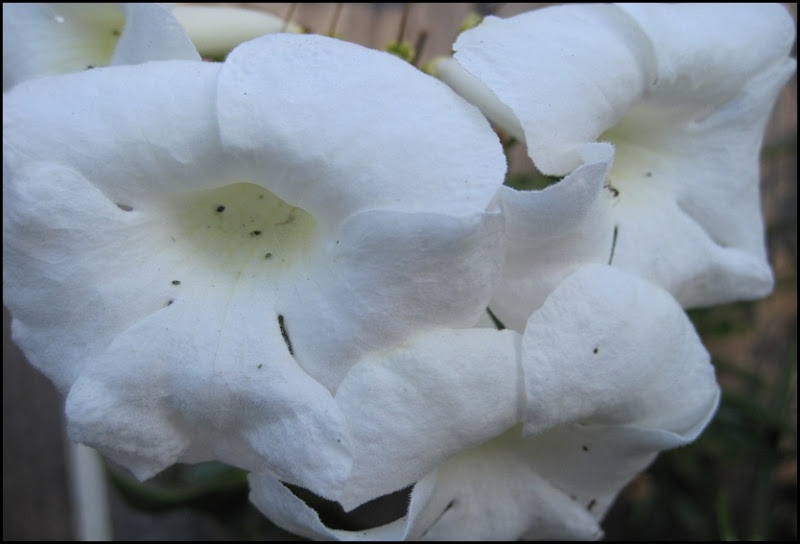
(613, 243)
(648, 174)
(220, 208)
(255, 233)
(268, 256)
(90, 67)
(170, 301)
(585, 447)
(115, 32)
(591, 504)
(285, 334)
(595, 350)
(176, 282)
(260, 365)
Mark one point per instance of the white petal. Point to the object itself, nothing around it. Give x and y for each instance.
(702, 65)
(556, 209)
(152, 33)
(113, 127)
(41, 39)
(194, 391)
(614, 373)
(610, 348)
(592, 464)
(492, 493)
(548, 236)
(476, 92)
(410, 408)
(551, 68)
(386, 276)
(53, 296)
(215, 30)
(354, 130)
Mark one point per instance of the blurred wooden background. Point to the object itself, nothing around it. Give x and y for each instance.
(36, 504)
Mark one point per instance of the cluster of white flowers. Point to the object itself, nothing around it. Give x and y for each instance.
(284, 261)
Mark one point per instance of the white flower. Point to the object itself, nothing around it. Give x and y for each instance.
(682, 92)
(533, 437)
(198, 253)
(41, 39)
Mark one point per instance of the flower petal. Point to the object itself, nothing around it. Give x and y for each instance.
(592, 464)
(626, 367)
(196, 392)
(41, 39)
(522, 61)
(387, 276)
(549, 237)
(409, 408)
(702, 65)
(152, 33)
(54, 297)
(216, 30)
(322, 154)
(111, 126)
(611, 391)
(476, 92)
(492, 493)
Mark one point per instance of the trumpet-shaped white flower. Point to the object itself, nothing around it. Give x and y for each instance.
(41, 39)
(537, 440)
(198, 253)
(682, 92)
